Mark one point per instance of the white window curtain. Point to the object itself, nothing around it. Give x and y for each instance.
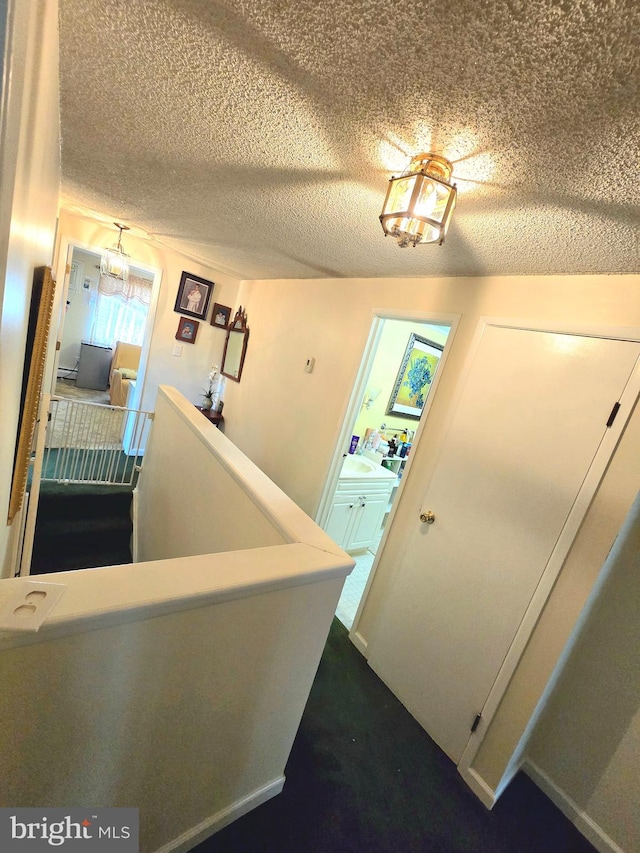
(121, 310)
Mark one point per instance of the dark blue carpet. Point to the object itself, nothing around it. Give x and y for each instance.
(364, 777)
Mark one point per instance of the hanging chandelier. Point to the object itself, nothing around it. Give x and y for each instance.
(420, 202)
(115, 262)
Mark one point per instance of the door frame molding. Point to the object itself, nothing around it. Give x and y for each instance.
(570, 529)
(378, 316)
(64, 255)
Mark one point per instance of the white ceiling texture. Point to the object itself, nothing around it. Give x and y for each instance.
(258, 136)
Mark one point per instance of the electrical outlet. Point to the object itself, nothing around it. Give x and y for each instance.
(177, 350)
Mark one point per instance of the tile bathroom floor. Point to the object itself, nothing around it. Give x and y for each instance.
(355, 584)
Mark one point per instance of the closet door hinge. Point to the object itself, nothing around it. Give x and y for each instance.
(614, 412)
(476, 723)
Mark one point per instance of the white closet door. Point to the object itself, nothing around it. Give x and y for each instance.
(532, 413)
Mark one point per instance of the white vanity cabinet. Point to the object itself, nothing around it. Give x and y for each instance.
(357, 512)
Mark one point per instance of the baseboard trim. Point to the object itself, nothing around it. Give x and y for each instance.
(197, 834)
(359, 642)
(134, 526)
(581, 820)
(483, 792)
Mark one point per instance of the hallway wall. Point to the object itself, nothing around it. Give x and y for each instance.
(600, 683)
(29, 187)
(288, 421)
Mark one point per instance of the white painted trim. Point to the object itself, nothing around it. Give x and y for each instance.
(65, 252)
(622, 333)
(620, 544)
(134, 522)
(483, 792)
(197, 834)
(558, 556)
(581, 820)
(452, 322)
(359, 642)
(351, 415)
(17, 542)
(26, 551)
(348, 420)
(360, 385)
(418, 316)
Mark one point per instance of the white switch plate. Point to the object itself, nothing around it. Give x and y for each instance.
(29, 605)
(177, 350)
(311, 363)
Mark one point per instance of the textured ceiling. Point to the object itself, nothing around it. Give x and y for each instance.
(258, 135)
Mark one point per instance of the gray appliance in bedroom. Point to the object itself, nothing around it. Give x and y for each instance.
(94, 367)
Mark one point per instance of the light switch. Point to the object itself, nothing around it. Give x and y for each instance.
(308, 368)
(177, 350)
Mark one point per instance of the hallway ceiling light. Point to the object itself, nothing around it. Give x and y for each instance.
(420, 202)
(114, 262)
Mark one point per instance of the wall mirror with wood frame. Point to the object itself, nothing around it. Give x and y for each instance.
(235, 347)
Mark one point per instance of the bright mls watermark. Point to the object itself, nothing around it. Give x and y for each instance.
(70, 830)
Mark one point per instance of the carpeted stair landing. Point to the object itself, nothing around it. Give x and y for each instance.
(82, 527)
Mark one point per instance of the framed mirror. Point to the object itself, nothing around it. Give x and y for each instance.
(235, 347)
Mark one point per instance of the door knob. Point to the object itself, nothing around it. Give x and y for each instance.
(427, 517)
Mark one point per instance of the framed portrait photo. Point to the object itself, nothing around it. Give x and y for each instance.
(194, 295)
(187, 330)
(413, 383)
(220, 315)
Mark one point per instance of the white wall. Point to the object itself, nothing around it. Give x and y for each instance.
(202, 511)
(78, 314)
(288, 421)
(29, 186)
(184, 680)
(183, 701)
(595, 710)
(217, 500)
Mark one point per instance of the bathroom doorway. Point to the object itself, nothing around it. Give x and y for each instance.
(398, 375)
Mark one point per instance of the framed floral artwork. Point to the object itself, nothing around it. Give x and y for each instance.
(194, 295)
(414, 379)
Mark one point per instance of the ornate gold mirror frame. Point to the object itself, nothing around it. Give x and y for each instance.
(35, 354)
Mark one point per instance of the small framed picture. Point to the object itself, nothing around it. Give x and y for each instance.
(187, 330)
(193, 296)
(220, 315)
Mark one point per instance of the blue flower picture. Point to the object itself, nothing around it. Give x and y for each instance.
(415, 376)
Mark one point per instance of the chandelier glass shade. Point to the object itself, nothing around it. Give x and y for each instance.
(115, 262)
(420, 202)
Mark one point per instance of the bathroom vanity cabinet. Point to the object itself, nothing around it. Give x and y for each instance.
(357, 512)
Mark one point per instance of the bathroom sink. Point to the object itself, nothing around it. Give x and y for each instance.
(356, 467)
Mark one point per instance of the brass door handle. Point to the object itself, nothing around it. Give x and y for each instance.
(427, 517)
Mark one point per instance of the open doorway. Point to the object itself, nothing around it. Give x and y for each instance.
(96, 314)
(397, 376)
(100, 315)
